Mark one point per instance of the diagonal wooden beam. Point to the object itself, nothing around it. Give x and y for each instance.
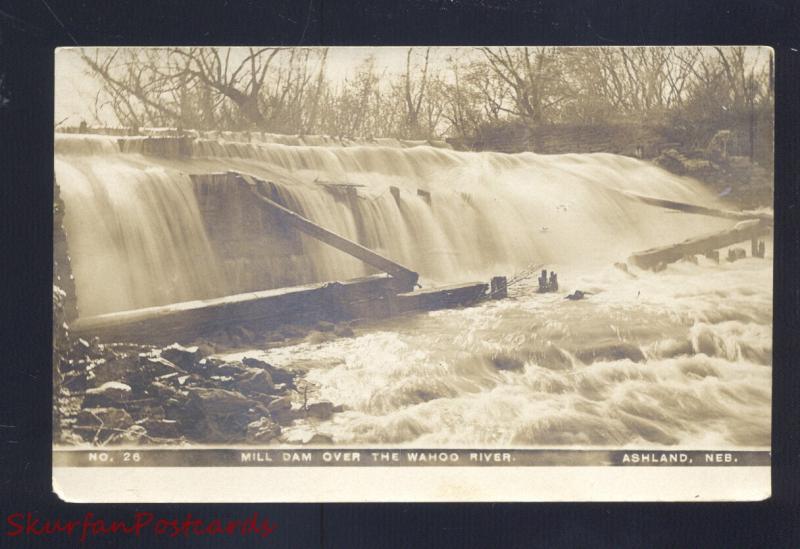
(330, 238)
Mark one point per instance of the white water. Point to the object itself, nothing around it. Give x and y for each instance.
(136, 237)
(442, 380)
(515, 372)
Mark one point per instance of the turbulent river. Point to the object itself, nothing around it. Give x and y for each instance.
(678, 357)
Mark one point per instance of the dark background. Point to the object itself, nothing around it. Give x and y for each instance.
(31, 29)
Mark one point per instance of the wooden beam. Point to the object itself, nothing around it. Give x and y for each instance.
(741, 232)
(442, 297)
(695, 209)
(329, 237)
(260, 311)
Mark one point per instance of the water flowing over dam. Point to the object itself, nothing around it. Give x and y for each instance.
(141, 234)
(678, 357)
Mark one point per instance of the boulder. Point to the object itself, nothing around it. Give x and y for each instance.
(132, 435)
(161, 428)
(320, 410)
(119, 369)
(217, 415)
(104, 418)
(183, 357)
(232, 369)
(110, 393)
(147, 409)
(219, 402)
(262, 430)
(163, 391)
(157, 366)
(280, 403)
(278, 375)
(255, 380)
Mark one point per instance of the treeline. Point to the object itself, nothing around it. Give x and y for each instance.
(439, 93)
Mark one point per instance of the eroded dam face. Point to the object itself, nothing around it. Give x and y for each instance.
(141, 232)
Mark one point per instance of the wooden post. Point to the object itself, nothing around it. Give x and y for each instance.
(395, 192)
(499, 287)
(329, 237)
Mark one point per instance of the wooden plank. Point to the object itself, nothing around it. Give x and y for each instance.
(329, 237)
(263, 310)
(441, 297)
(695, 209)
(742, 231)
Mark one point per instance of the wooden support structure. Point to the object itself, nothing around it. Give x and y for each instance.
(742, 231)
(375, 296)
(366, 297)
(329, 237)
(695, 209)
(442, 297)
(498, 287)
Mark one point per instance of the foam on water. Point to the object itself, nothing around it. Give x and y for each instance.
(678, 358)
(652, 361)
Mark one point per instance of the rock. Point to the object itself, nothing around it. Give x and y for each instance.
(146, 410)
(133, 435)
(320, 410)
(163, 391)
(319, 438)
(219, 402)
(278, 375)
(280, 403)
(119, 369)
(232, 369)
(161, 428)
(110, 393)
(218, 415)
(106, 418)
(183, 357)
(157, 366)
(262, 430)
(255, 380)
(75, 381)
(205, 348)
(577, 294)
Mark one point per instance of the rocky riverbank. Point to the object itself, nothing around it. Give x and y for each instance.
(122, 393)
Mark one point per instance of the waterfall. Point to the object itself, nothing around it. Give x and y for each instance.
(138, 237)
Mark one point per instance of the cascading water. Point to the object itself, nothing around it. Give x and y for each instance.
(681, 357)
(137, 238)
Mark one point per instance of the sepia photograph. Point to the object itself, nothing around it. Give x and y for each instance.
(440, 273)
